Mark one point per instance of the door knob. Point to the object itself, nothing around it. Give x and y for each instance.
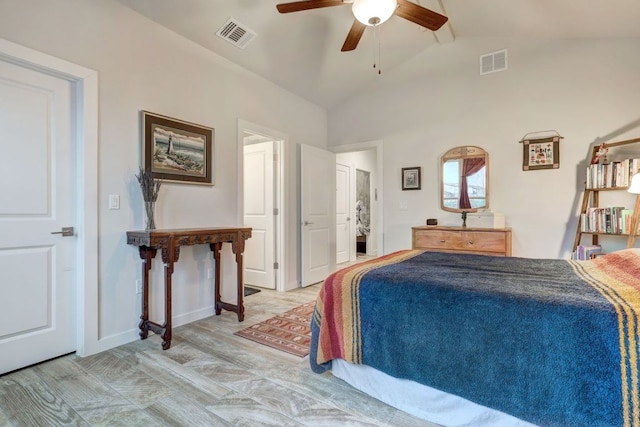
(307, 223)
(66, 231)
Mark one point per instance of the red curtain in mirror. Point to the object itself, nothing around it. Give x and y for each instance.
(469, 167)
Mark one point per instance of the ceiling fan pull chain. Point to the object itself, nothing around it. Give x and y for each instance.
(376, 54)
(379, 57)
(374, 46)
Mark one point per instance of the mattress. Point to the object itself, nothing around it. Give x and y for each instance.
(420, 400)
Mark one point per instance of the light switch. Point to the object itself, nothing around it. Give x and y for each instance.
(114, 201)
(404, 206)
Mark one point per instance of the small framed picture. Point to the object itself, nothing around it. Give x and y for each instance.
(541, 153)
(178, 151)
(411, 178)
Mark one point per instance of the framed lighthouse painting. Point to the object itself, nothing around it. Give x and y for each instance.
(177, 150)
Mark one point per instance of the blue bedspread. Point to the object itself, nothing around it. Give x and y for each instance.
(553, 342)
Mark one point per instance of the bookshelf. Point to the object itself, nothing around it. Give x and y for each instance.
(605, 176)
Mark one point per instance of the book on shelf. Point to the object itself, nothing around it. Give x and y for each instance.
(634, 166)
(625, 220)
(610, 225)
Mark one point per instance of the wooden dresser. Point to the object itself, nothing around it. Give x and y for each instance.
(471, 240)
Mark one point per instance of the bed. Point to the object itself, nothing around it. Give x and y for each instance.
(485, 340)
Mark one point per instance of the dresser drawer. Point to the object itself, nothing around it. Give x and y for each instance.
(459, 239)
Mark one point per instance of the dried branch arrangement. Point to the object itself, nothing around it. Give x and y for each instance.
(148, 185)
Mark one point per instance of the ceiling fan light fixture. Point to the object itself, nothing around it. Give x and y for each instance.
(373, 12)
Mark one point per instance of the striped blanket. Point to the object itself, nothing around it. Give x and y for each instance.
(552, 342)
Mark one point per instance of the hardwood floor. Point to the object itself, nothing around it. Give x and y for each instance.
(209, 377)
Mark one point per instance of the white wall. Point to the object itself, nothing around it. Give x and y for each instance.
(585, 89)
(142, 66)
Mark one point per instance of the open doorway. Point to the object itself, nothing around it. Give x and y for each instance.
(294, 261)
(359, 174)
(259, 204)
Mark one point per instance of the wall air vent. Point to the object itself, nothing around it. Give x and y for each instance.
(493, 62)
(236, 33)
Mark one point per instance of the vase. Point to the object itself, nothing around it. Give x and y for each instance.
(149, 208)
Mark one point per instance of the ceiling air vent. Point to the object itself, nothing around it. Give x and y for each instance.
(236, 33)
(493, 62)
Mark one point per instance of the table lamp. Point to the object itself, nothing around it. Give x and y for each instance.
(634, 188)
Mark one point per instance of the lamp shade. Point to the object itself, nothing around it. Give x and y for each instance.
(373, 12)
(635, 184)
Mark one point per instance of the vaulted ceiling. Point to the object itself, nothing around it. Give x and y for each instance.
(301, 51)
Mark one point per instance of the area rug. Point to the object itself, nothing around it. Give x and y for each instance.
(289, 331)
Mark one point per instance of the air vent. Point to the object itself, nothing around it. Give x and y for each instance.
(236, 33)
(493, 62)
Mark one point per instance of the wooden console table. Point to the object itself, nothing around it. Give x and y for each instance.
(169, 242)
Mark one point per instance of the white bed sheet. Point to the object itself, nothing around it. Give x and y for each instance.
(421, 401)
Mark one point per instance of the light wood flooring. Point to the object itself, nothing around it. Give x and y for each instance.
(209, 377)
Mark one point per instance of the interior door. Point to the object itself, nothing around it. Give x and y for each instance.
(317, 202)
(343, 213)
(259, 215)
(37, 290)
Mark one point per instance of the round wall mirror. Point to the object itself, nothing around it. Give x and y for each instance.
(464, 179)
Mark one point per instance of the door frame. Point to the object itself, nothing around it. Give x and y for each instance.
(279, 140)
(85, 87)
(377, 146)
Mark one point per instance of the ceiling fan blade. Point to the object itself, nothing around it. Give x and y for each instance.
(297, 6)
(424, 17)
(354, 36)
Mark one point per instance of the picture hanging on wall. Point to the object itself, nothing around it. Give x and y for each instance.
(411, 178)
(363, 202)
(176, 150)
(541, 153)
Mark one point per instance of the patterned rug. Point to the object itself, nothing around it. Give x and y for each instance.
(289, 331)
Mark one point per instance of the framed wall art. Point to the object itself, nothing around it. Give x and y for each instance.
(176, 150)
(411, 178)
(541, 153)
(363, 202)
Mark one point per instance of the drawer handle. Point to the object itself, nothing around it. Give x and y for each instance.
(470, 242)
(442, 241)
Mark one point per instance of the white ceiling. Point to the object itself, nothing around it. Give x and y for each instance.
(301, 51)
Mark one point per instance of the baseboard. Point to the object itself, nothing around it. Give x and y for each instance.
(116, 340)
(192, 316)
(113, 341)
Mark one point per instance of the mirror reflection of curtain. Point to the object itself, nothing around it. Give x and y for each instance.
(469, 167)
(464, 179)
(363, 203)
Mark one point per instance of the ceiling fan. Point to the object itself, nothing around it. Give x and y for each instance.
(371, 13)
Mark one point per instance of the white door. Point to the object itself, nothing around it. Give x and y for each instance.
(317, 201)
(37, 289)
(343, 213)
(259, 215)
